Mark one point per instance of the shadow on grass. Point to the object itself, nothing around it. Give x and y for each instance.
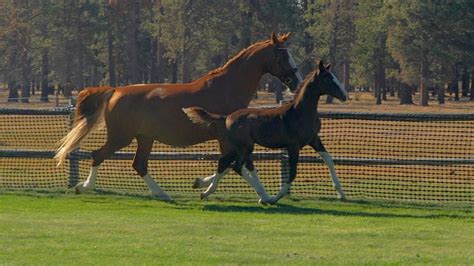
(297, 210)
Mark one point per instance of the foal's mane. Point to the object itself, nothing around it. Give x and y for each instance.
(237, 57)
(302, 88)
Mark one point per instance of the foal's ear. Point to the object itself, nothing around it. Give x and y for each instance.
(275, 38)
(321, 66)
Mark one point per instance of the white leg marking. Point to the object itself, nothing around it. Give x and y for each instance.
(285, 188)
(89, 184)
(155, 189)
(214, 183)
(335, 180)
(254, 181)
(204, 182)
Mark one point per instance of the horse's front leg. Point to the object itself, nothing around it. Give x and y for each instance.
(293, 157)
(318, 146)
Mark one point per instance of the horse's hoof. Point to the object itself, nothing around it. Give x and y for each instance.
(79, 188)
(196, 183)
(163, 197)
(203, 196)
(264, 203)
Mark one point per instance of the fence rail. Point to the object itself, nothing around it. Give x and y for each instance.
(377, 156)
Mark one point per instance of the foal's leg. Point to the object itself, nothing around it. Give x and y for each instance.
(293, 157)
(222, 169)
(98, 156)
(225, 147)
(254, 181)
(140, 164)
(318, 146)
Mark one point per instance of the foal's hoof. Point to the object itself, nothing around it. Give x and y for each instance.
(163, 197)
(80, 188)
(197, 183)
(203, 196)
(264, 203)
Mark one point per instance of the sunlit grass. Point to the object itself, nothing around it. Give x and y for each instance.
(98, 229)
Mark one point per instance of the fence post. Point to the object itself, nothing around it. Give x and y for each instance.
(284, 168)
(73, 158)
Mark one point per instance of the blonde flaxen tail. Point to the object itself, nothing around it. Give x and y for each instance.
(89, 114)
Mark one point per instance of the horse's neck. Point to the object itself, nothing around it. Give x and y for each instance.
(308, 103)
(241, 78)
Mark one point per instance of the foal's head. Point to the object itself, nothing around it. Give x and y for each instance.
(280, 63)
(327, 83)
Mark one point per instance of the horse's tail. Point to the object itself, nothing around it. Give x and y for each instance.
(90, 108)
(200, 116)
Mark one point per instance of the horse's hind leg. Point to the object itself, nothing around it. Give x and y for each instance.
(293, 157)
(98, 156)
(225, 147)
(140, 164)
(222, 169)
(318, 146)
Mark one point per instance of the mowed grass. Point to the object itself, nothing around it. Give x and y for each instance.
(59, 228)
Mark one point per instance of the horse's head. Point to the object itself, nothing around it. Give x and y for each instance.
(280, 63)
(328, 83)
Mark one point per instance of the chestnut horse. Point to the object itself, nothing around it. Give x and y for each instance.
(150, 112)
(291, 126)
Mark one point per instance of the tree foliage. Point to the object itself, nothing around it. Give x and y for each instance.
(370, 43)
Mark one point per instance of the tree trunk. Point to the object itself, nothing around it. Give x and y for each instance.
(440, 94)
(44, 76)
(472, 85)
(378, 95)
(174, 71)
(308, 46)
(454, 86)
(132, 46)
(405, 93)
(423, 84)
(465, 81)
(379, 82)
(347, 75)
(12, 76)
(25, 91)
(154, 75)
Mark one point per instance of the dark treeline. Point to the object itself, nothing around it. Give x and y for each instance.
(382, 46)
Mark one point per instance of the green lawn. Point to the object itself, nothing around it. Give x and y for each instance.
(59, 228)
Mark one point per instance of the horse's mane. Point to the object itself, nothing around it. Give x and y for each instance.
(302, 88)
(236, 57)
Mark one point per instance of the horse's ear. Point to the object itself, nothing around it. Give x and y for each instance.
(328, 67)
(321, 66)
(285, 37)
(274, 38)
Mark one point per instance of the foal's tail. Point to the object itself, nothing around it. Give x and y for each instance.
(90, 108)
(200, 116)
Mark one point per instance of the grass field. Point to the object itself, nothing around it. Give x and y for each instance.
(59, 228)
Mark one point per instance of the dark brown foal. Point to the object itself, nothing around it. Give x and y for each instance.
(291, 126)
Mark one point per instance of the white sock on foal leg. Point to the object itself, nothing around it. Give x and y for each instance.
(205, 181)
(332, 170)
(285, 188)
(89, 184)
(155, 189)
(214, 183)
(254, 181)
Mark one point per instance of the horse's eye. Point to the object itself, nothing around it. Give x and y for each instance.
(288, 80)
